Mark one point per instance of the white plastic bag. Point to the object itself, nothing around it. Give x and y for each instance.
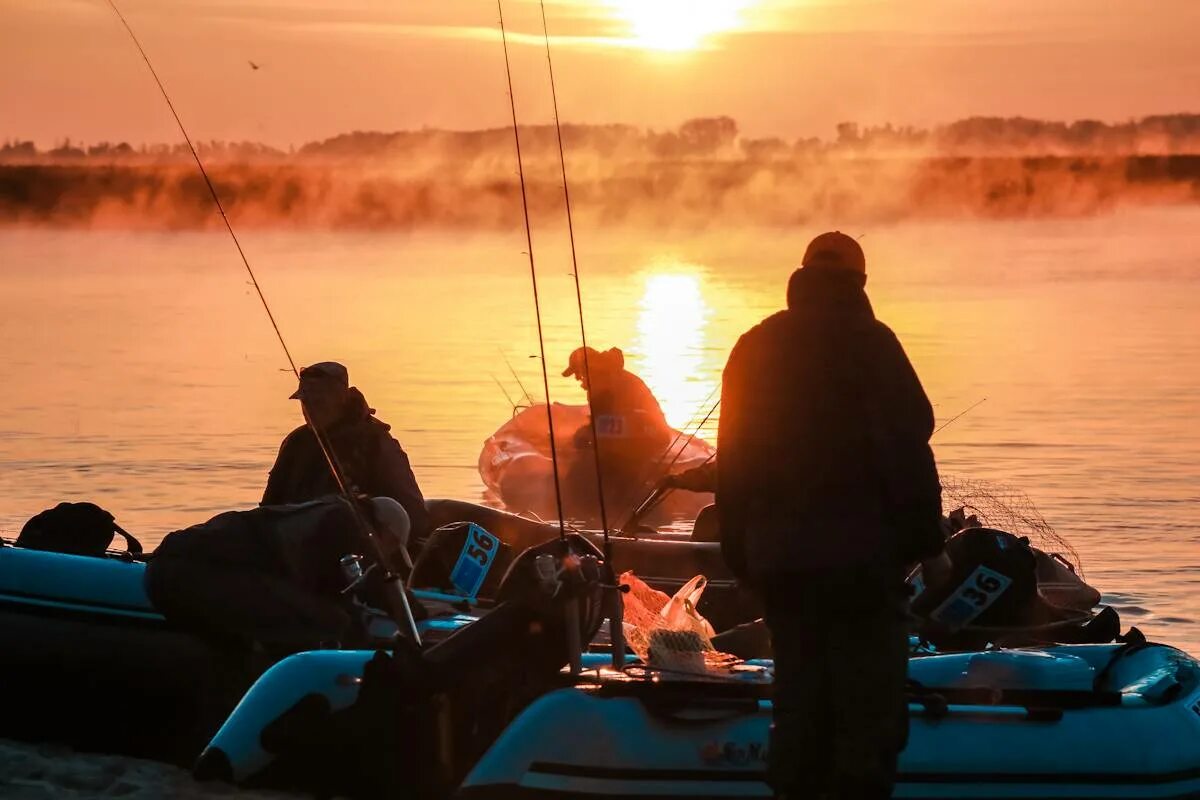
(667, 632)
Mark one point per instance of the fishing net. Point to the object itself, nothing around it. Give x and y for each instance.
(1005, 508)
(667, 633)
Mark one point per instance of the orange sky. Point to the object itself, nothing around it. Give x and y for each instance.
(780, 67)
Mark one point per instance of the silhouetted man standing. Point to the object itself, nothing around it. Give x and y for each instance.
(826, 489)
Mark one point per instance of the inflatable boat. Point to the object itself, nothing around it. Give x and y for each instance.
(1082, 721)
(515, 466)
(411, 723)
(84, 646)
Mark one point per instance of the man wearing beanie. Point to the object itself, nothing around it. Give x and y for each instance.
(826, 491)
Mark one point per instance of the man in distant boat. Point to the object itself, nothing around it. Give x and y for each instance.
(629, 422)
(826, 489)
(373, 461)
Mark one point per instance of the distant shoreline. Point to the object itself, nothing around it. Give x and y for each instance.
(694, 192)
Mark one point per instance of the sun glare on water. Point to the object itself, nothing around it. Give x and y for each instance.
(677, 25)
(671, 326)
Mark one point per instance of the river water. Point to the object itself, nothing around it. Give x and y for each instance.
(140, 372)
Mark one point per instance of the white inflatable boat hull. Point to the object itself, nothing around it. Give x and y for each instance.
(576, 743)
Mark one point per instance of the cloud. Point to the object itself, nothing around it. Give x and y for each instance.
(468, 32)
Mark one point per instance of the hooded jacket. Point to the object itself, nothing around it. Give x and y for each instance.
(824, 439)
(374, 462)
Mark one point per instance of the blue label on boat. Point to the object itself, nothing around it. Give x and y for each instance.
(974, 596)
(478, 553)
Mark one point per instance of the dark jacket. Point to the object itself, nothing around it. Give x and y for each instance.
(824, 435)
(624, 397)
(373, 461)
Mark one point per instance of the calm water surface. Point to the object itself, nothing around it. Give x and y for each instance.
(140, 373)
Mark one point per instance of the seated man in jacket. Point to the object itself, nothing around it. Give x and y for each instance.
(373, 462)
(630, 425)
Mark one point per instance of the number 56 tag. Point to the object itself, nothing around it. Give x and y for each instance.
(478, 553)
(973, 596)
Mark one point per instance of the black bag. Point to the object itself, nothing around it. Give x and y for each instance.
(82, 529)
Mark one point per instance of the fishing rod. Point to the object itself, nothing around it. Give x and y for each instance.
(516, 377)
(537, 305)
(644, 504)
(616, 613)
(504, 391)
(394, 587)
(646, 473)
(562, 161)
(658, 495)
(955, 418)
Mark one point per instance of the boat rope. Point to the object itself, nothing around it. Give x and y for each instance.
(400, 610)
(537, 306)
(587, 374)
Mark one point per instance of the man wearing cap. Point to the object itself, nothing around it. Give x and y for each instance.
(826, 490)
(373, 461)
(630, 423)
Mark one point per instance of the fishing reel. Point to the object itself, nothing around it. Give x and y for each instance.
(563, 582)
(364, 592)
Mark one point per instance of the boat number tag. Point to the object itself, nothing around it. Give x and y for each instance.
(610, 425)
(974, 596)
(478, 553)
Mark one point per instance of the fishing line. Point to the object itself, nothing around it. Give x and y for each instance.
(401, 611)
(537, 306)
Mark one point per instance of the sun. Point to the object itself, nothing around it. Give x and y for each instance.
(677, 25)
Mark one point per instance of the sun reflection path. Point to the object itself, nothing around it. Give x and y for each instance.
(670, 344)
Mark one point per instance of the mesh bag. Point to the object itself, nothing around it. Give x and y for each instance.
(668, 633)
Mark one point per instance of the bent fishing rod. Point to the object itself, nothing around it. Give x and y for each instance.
(399, 607)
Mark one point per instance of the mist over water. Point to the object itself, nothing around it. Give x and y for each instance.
(141, 374)
(699, 175)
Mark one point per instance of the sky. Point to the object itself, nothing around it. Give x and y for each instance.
(790, 68)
